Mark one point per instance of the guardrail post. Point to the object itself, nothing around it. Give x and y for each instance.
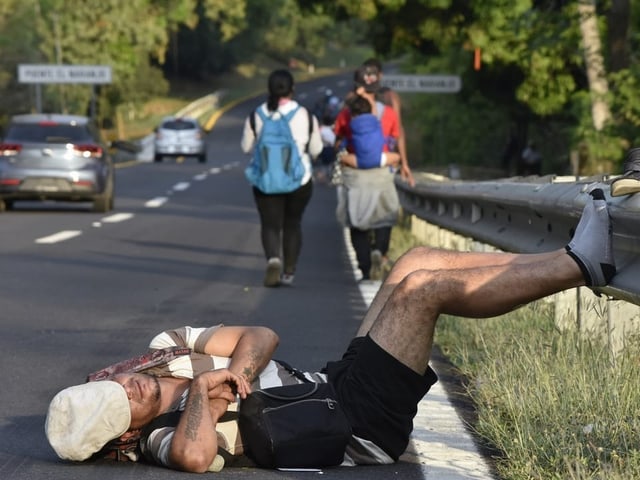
(623, 321)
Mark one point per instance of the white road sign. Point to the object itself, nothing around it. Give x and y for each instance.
(423, 83)
(93, 74)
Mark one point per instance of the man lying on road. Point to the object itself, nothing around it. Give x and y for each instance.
(379, 381)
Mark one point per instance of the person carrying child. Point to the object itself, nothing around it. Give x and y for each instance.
(370, 147)
(368, 202)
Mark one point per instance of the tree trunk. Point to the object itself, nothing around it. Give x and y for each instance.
(618, 27)
(594, 63)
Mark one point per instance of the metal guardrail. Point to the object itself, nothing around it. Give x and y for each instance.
(201, 106)
(529, 215)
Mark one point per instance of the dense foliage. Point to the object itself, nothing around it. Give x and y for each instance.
(558, 72)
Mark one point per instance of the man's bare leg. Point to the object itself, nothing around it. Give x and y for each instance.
(426, 258)
(405, 324)
(591, 239)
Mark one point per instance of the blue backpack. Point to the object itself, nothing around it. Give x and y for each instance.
(277, 165)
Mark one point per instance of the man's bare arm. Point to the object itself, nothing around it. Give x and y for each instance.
(194, 444)
(250, 348)
(405, 170)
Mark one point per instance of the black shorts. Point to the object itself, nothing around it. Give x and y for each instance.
(379, 394)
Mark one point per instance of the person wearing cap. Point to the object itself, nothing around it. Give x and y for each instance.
(390, 97)
(368, 202)
(196, 367)
(379, 381)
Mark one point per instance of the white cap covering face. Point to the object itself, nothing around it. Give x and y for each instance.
(84, 418)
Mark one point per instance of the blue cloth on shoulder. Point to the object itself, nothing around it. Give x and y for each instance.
(367, 140)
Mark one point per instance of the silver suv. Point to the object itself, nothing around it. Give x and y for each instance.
(55, 157)
(179, 137)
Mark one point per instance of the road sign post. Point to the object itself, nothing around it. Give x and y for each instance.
(80, 74)
(426, 84)
(423, 83)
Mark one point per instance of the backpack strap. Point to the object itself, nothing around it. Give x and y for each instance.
(139, 363)
(290, 115)
(252, 123)
(294, 371)
(306, 147)
(252, 119)
(169, 419)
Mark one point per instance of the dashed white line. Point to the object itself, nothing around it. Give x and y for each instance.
(179, 187)
(156, 202)
(118, 217)
(121, 217)
(59, 237)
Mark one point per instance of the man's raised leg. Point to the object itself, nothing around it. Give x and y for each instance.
(426, 258)
(405, 324)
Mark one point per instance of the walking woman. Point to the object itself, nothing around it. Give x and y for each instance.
(281, 213)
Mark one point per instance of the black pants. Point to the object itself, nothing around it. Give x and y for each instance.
(364, 241)
(281, 223)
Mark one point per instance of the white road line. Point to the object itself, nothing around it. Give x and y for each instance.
(118, 217)
(179, 187)
(215, 170)
(59, 237)
(156, 202)
(200, 177)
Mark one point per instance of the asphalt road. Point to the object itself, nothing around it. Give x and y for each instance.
(81, 290)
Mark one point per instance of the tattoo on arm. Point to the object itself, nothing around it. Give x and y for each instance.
(195, 413)
(249, 371)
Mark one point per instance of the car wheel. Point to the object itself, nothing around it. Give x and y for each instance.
(8, 205)
(3, 205)
(202, 158)
(103, 202)
(157, 158)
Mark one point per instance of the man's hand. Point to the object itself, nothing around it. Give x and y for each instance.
(348, 160)
(222, 383)
(195, 443)
(406, 174)
(220, 397)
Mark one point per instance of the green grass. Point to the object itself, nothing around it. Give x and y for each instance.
(553, 402)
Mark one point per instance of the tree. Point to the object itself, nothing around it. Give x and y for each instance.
(594, 63)
(125, 34)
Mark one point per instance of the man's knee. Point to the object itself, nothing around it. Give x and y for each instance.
(414, 258)
(426, 289)
(416, 285)
(420, 250)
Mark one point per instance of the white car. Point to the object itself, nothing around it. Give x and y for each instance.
(180, 137)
